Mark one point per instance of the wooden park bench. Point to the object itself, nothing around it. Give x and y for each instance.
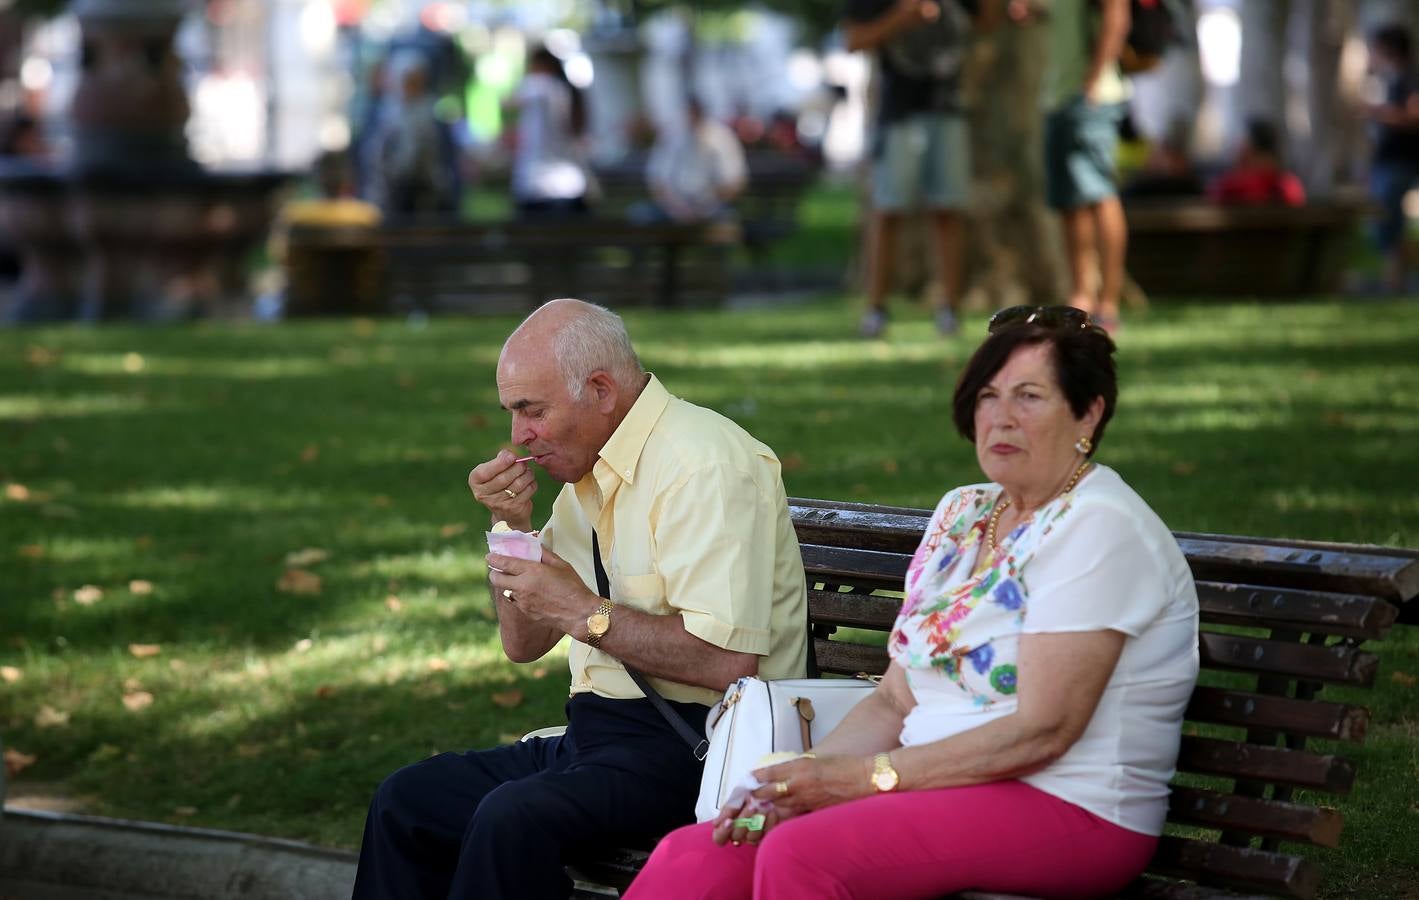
(1280, 620)
(767, 210)
(1196, 248)
(513, 266)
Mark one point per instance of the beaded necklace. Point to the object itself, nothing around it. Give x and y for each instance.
(1005, 501)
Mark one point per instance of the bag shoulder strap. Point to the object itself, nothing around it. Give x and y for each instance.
(698, 745)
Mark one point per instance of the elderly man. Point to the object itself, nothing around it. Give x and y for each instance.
(706, 584)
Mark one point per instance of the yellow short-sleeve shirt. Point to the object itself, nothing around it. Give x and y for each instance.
(692, 519)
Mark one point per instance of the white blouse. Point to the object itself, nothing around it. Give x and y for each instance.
(1095, 558)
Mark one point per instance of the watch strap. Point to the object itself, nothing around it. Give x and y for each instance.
(698, 745)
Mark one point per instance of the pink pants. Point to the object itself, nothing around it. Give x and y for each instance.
(1005, 836)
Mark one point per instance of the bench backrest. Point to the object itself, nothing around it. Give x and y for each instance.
(1279, 620)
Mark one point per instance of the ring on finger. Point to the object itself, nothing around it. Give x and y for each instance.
(781, 787)
(510, 492)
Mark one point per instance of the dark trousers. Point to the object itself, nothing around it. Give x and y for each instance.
(499, 823)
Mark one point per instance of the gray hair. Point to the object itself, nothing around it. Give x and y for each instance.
(595, 340)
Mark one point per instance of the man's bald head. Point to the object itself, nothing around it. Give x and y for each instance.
(582, 337)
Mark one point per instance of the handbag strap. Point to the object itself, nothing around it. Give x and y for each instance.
(698, 745)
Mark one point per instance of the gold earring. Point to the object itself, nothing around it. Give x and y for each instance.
(1084, 445)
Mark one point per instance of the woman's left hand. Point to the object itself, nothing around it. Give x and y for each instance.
(803, 785)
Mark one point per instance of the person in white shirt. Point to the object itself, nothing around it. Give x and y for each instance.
(548, 173)
(1024, 736)
(694, 174)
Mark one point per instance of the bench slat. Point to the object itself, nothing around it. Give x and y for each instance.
(1317, 612)
(1336, 664)
(842, 658)
(1236, 867)
(1268, 818)
(1275, 765)
(854, 566)
(1308, 718)
(855, 609)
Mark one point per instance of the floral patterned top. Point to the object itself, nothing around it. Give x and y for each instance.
(1094, 558)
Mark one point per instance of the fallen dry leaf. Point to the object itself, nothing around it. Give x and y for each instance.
(1403, 678)
(143, 651)
(137, 701)
(39, 357)
(1184, 468)
(540, 672)
(507, 699)
(477, 420)
(177, 665)
(143, 541)
(247, 751)
(31, 551)
(311, 453)
(88, 595)
(439, 665)
(453, 529)
(299, 559)
(303, 645)
(10, 674)
(185, 811)
(393, 603)
(49, 717)
(16, 762)
(17, 492)
(140, 587)
(890, 466)
(380, 500)
(299, 581)
(405, 380)
(324, 692)
(132, 684)
(792, 462)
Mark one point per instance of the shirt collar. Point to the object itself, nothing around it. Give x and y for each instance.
(623, 451)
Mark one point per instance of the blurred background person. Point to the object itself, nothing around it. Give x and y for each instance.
(920, 145)
(1394, 166)
(1257, 178)
(1085, 103)
(415, 165)
(549, 175)
(1167, 169)
(695, 173)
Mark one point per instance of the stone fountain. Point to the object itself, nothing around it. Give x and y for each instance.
(129, 226)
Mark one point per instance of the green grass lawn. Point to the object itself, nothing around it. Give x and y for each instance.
(158, 481)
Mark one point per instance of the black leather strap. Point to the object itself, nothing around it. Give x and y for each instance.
(698, 745)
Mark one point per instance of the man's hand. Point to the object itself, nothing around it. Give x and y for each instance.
(805, 784)
(505, 486)
(550, 591)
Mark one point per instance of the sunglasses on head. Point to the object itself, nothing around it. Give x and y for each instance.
(1048, 316)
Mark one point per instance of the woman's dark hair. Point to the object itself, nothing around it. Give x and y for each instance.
(543, 58)
(1083, 366)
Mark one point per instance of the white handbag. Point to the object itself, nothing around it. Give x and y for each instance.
(758, 717)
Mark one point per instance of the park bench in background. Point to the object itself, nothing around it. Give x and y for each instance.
(767, 210)
(1280, 619)
(1196, 248)
(460, 267)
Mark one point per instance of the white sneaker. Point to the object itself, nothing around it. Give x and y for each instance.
(873, 323)
(946, 324)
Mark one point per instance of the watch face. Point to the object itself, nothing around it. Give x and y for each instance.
(598, 623)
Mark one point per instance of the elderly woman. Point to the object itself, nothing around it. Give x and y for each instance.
(1023, 737)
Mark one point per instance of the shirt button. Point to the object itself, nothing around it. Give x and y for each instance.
(628, 473)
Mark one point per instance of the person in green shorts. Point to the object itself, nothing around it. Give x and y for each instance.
(1084, 101)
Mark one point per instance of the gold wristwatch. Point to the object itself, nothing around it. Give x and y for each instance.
(884, 777)
(598, 623)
